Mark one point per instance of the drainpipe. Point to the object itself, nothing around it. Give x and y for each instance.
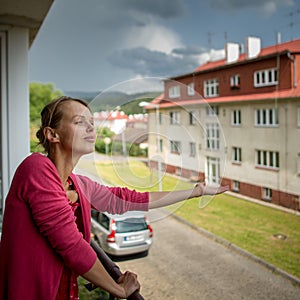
(292, 58)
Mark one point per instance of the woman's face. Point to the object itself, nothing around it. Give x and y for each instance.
(76, 129)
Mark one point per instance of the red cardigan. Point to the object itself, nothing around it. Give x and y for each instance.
(39, 233)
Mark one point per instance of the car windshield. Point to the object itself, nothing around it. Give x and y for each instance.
(131, 225)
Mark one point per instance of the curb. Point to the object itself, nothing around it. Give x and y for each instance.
(295, 280)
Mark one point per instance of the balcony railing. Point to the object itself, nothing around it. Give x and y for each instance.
(112, 269)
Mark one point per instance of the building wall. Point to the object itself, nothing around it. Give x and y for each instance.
(284, 138)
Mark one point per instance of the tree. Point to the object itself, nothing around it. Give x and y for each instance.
(40, 95)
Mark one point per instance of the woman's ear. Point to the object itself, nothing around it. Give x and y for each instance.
(51, 135)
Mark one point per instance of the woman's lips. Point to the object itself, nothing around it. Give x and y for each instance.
(90, 139)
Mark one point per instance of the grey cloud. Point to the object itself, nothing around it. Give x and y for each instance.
(145, 62)
(189, 50)
(241, 4)
(157, 8)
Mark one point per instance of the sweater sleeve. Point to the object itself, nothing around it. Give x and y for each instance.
(114, 200)
(44, 193)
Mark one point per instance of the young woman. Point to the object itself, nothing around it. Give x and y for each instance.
(46, 225)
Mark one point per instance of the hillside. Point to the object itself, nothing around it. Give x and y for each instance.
(111, 100)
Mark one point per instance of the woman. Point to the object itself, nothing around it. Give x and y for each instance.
(46, 225)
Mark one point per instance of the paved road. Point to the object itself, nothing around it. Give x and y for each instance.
(184, 264)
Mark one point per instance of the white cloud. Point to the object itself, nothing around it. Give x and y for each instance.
(154, 37)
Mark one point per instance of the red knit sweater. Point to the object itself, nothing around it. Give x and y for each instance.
(39, 234)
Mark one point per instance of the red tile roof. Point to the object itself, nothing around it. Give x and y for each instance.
(292, 46)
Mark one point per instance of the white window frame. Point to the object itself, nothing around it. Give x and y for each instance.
(175, 147)
(211, 88)
(236, 155)
(268, 159)
(174, 91)
(266, 77)
(192, 149)
(212, 136)
(212, 111)
(192, 118)
(174, 117)
(266, 193)
(191, 89)
(235, 81)
(236, 117)
(266, 117)
(235, 185)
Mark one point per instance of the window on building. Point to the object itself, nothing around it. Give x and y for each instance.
(235, 82)
(192, 117)
(174, 91)
(191, 89)
(175, 147)
(160, 118)
(266, 117)
(236, 186)
(265, 77)
(267, 193)
(211, 88)
(237, 154)
(174, 117)
(192, 149)
(212, 110)
(212, 136)
(267, 159)
(236, 118)
(160, 145)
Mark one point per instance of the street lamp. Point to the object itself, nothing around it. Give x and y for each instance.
(159, 163)
(107, 141)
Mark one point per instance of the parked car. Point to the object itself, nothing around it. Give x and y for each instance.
(120, 235)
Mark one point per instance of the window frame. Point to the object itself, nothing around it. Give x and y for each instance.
(212, 136)
(174, 91)
(192, 147)
(266, 117)
(175, 147)
(174, 117)
(268, 159)
(191, 89)
(211, 88)
(236, 117)
(237, 155)
(261, 78)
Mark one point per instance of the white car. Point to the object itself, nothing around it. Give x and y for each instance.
(120, 235)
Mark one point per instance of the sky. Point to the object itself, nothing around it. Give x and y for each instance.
(96, 45)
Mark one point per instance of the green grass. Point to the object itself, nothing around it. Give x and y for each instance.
(246, 224)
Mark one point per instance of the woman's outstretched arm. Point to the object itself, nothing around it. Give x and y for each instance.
(160, 199)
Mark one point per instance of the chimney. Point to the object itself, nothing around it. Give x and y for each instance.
(232, 52)
(253, 47)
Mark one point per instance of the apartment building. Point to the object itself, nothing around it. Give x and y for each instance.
(234, 121)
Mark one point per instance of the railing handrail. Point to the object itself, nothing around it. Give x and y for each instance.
(112, 269)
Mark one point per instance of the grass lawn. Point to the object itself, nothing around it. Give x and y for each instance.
(248, 225)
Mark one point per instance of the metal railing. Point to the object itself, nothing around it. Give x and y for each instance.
(112, 269)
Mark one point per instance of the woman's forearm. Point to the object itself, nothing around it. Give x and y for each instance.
(127, 283)
(99, 277)
(160, 199)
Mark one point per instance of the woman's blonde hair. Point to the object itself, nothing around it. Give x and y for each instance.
(51, 116)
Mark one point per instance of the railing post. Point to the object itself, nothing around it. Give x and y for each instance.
(112, 269)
